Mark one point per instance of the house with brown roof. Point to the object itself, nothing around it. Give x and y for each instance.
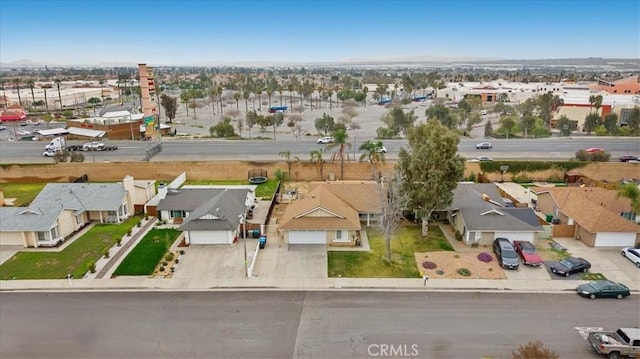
(596, 214)
(331, 214)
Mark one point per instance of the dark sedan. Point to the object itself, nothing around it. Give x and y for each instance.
(603, 289)
(569, 266)
(627, 158)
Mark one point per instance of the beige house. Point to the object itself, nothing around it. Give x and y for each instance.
(594, 215)
(331, 213)
(62, 209)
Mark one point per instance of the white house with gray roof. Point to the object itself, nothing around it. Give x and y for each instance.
(61, 209)
(480, 214)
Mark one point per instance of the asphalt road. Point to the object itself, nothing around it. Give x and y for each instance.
(209, 149)
(278, 324)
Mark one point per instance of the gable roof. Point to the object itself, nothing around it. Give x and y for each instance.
(218, 213)
(187, 199)
(19, 219)
(600, 196)
(362, 196)
(321, 209)
(81, 196)
(469, 195)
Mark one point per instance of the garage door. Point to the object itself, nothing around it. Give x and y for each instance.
(307, 237)
(11, 239)
(612, 239)
(209, 237)
(516, 236)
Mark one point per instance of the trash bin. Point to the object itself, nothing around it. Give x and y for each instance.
(255, 233)
(263, 241)
(549, 218)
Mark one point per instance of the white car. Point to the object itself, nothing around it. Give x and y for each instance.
(326, 139)
(382, 150)
(632, 254)
(23, 133)
(93, 146)
(484, 145)
(49, 153)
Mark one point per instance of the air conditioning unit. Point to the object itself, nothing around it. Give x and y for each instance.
(556, 221)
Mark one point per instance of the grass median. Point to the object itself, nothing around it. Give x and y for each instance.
(405, 242)
(146, 255)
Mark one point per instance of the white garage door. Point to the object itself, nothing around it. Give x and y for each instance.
(307, 237)
(613, 239)
(516, 236)
(209, 237)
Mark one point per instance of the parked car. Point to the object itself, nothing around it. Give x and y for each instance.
(326, 139)
(528, 253)
(615, 344)
(506, 254)
(632, 254)
(595, 150)
(93, 146)
(569, 266)
(484, 146)
(603, 289)
(627, 158)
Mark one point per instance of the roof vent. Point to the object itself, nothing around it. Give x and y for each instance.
(485, 197)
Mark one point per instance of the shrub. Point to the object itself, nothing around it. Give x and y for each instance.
(161, 269)
(118, 241)
(173, 269)
(165, 263)
(458, 235)
(429, 265)
(464, 272)
(181, 252)
(129, 233)
(474, 245)
(440, 272)
(92, 267)
(485, 257)
(534, 349)
(456, 256)
(106, 252)
(177, 261)
(139, 224)
(169, 257)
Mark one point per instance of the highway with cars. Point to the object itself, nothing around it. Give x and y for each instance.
(174, 149)
(316, 324)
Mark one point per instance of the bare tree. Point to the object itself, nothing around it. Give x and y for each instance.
(393, 202)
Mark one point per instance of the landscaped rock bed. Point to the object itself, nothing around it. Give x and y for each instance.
(452, 265)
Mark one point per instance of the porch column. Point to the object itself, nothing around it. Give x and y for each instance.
(100, 213)
(368, 217)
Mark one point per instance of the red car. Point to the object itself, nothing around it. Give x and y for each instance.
(528, 252)
(595, 150)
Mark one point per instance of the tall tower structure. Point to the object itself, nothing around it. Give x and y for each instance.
(148, 101)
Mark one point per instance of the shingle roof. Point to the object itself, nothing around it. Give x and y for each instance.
(218, 213)
(19, 219)
(320, 209)
(187, 199)
(363, 196)
(470, 195)
(81, 196)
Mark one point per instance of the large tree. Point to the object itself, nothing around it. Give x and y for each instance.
(170, 105)
(631, 191)
(316, 157)
(393, 202)
(290, 160)
(373, 154)
(430, 168)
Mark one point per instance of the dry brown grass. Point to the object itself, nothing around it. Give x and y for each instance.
(450, 262)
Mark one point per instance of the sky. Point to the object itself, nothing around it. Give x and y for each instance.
(92, 32)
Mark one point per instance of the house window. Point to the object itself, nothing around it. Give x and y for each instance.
(342, 236)
(43, 236)
(177, 214)
(55, 233)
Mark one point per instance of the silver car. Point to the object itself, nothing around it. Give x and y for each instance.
(632, 254)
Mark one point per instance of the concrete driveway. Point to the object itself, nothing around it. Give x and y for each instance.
(201, 262)
(292, 261)
(7, 252)
(527, 273)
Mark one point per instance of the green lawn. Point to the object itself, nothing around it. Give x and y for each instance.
(144, 258)
(24, 192)
(265, 190)
(406, 241)
(74, 259)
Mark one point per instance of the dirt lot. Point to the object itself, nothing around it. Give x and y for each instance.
(448, 264)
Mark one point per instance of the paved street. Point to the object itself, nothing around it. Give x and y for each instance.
(339, 324)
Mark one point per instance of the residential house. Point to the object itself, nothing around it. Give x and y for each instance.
(481, 215)
(594, 215)
(61, 209)
(331, 213)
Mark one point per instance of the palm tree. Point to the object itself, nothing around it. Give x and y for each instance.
(46, 102)
(341, 146)
(372, 154)
(31, 85)
(592, 101)
(236, 96)
(320, 89)
(597, 102)
(212, 94)
(287, 155)
(57, 81)
(329, 94)
(17, 83)
(316, 157)
(290, 89)
(280, 89)
(245, 95)
(632, 192)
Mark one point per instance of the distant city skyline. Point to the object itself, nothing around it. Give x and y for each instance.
(228, 32)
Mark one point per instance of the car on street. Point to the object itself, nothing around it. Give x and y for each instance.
(326, 139)
(382, 150)
(569, 266)
(23, 133)
(528, 253)
(3, 128)
(603, 289)
(93, 146)
(49, 153)
(506, 254)
(632, 254)
(484, 158)
(627, 158)
(484, 146)
(595, 150)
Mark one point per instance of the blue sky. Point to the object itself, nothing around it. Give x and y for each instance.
(195, 32)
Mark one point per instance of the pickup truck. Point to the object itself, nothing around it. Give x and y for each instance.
(624, 342)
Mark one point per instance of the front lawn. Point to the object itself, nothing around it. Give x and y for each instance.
(144, 258)
(23, 192)
(74, 259)
(406, 241)
(265, 190)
